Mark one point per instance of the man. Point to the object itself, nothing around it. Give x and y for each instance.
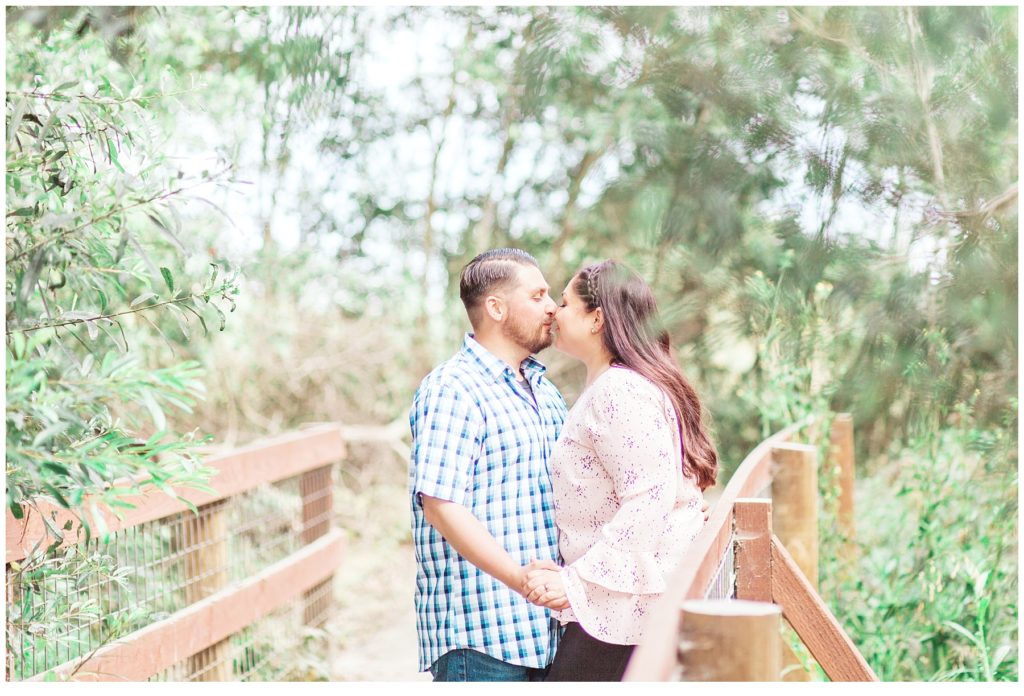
(483, 425)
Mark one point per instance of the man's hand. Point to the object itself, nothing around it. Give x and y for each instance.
(544, 588)
(534, 564)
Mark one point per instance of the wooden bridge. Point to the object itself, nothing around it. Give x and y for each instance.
(215, 593)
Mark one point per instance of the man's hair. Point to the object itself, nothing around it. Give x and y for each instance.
(492, 270)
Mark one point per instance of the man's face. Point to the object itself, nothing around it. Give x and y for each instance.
(530, 310)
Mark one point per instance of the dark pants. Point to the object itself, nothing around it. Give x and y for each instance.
(465, 665)
(581, 657)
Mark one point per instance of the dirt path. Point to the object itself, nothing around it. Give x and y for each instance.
(375, 623)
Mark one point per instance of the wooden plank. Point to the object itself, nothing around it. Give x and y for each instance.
(158, 646)
(813, 622)
(655, 656)
(238, 471)
(753, 533)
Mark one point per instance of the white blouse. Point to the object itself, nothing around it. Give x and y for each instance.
(625, 512)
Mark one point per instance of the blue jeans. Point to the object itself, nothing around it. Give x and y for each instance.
(465, 665)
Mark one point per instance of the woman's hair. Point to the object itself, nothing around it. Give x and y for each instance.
(635, 338)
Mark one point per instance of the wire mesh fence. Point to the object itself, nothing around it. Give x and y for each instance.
(65, 604)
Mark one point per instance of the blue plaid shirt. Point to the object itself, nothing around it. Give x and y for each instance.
(480, 440)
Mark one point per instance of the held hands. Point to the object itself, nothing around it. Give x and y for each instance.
(543, 585)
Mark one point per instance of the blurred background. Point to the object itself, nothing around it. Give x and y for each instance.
(235, 222)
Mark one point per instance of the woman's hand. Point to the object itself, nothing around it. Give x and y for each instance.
(544, 588)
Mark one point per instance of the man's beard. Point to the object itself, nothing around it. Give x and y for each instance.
(520, 334)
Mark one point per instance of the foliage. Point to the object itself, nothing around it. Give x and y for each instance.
(94, 232)
(96, 253)
(931, 592)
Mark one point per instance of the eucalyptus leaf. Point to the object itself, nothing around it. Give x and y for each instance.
(168, 278)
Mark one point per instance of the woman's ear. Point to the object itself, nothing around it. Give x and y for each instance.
(495, 308)
(598, 320)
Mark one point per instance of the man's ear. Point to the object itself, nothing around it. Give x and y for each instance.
(495, 308)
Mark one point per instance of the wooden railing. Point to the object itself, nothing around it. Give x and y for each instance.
(196, 550)
(776, 484)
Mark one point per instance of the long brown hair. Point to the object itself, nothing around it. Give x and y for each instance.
(636, 339)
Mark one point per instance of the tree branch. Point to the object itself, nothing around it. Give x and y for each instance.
(109, 214)
(106, 316)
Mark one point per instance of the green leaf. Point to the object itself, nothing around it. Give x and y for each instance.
(188, 503)
(57, 534)
(57, 495)
(112, 152)
(19, 344)
(142, 298)
(57, 468)
(961, 630)
(220, 316)
(168, 278)
(166, 231)
(17, 511)
(1000, 654)
(182, 320)
(206, 331)
(155, 412)
(49, 433)
(117, 502)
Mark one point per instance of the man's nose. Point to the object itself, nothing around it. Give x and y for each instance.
(551, 307)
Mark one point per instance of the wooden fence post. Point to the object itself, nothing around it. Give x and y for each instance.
(206, 570)
(753, 534)
(795, 504)
(795, 523)
(730, 640)
(317, 490)
(843, 455)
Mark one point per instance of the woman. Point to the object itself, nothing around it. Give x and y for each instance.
(628, 472)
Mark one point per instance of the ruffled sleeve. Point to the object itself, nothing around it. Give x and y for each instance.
(633, 432)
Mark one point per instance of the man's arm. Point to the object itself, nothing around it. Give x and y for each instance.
(470, 538)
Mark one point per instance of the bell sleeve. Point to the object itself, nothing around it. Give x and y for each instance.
(633, 432)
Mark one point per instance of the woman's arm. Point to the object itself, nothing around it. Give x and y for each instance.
(634, 434)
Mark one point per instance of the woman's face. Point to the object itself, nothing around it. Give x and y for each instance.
(574, 323)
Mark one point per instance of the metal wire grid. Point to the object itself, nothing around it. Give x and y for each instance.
(723, 585)
(70, 602)
(271, 649)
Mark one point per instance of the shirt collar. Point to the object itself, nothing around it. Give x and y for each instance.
(496, 367)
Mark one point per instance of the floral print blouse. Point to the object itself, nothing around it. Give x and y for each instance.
(625, 512)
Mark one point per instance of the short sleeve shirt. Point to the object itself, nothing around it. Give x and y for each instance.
(482, 440)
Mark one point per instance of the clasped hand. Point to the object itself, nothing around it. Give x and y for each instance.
(542, 585)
